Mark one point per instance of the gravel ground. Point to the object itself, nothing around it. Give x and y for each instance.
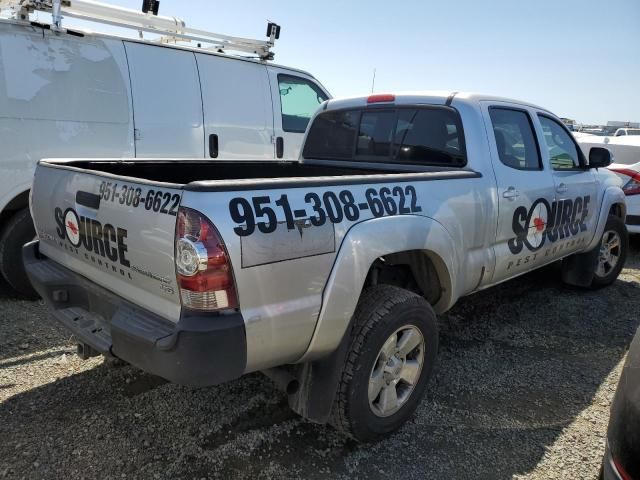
(526, 374)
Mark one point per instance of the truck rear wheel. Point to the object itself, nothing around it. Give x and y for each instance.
(17, 231)
(390, 361)
(612, 252)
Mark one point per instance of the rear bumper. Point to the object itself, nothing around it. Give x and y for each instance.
(200, 350)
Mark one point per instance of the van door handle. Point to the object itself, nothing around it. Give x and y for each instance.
(562, 188)
(511, 193)
(279, 147)
(213, 145)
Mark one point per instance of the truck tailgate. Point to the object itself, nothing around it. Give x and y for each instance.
(116, 231)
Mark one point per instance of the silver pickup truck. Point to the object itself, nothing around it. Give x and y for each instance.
(327, 273)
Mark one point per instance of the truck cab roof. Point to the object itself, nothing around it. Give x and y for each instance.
(431, 97)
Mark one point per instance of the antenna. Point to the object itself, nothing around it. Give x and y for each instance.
(373, 82)
(173, 29)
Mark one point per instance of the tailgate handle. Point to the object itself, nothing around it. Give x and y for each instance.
(213, 145)
(279, 147)
(87, 199)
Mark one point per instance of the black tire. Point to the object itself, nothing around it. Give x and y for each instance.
(113, 362)
(17, 231)
(617, 225)
(381, 311)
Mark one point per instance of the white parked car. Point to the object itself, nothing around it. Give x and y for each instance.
(627, 131)
(626, 156)
(75, 93)
(630, 175)
(625, 149)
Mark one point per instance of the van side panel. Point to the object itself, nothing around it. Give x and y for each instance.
(166, 101)
(237, 107)
(60, 96)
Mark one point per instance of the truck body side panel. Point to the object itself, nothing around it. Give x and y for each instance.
(281, 298)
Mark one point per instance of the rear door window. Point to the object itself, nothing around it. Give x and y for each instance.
(299, 100)
(515, 139)
(421, 136)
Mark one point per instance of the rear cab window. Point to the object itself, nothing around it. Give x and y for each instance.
(429, 135)
(299, 100)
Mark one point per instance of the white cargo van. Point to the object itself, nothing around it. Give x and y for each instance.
(74, 93)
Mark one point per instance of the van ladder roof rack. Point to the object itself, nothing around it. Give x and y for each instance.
(172, 29)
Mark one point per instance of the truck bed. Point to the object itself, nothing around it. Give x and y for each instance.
(187, 171)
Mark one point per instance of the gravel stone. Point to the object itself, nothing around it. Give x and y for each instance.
(525, 378)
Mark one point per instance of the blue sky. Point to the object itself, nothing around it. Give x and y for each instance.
(578, 58)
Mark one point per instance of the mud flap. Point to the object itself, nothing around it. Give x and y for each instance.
(579, 269)
(318, 384)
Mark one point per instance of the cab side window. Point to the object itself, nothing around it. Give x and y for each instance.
(515, 139)
(563, 151)
(299, 99)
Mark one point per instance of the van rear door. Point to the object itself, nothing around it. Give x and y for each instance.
(167, 107)
(118, 232)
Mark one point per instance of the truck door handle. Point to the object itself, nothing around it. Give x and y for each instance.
(279, 147)
(511, 193)
(562, 188)
(213, 145)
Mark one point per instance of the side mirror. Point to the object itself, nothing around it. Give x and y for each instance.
(599, 157)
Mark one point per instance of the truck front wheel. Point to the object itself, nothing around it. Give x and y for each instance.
(17, 231)
(390, 361)
(612, 252)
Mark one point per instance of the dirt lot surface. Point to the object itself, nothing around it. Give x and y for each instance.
(525, 378)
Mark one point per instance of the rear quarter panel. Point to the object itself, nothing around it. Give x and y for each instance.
(282, 276)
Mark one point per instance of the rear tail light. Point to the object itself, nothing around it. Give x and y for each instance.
(632, 187)
(203, 268)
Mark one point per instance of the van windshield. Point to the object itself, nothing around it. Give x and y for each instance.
(421, 136)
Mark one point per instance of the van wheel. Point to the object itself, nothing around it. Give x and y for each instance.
(390, 361)
(17, 231)
(612, 252)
